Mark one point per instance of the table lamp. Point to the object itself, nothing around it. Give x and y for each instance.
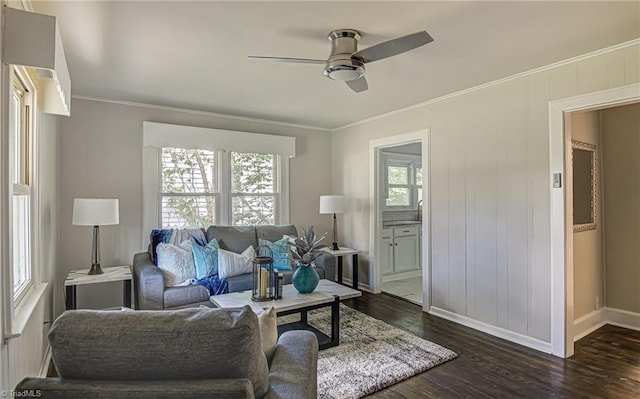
(333, 204)
(95, 212)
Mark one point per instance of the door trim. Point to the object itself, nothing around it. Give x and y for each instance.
(562, 307)
(375, 221)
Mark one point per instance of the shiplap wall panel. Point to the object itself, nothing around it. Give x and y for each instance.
(503, 159)
(485, 208)
(465, 182)
(615, 59)
(593, 74)
(517, 244)
(540, 293)
(457, 155)
(471, 133)
(632, 65)
(440, 211)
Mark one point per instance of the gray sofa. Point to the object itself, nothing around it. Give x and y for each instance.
(188, 353)
(148, 281)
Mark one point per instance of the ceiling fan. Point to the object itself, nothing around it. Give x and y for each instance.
(346, 63)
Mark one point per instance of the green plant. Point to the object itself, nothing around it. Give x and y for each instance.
(306, 249)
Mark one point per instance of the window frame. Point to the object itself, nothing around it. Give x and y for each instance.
(276, 193)
(215, 193)
(20, 80)
(411, 162)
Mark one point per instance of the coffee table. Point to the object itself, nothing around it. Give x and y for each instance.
(327, 294)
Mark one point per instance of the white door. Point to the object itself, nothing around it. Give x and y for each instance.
(406, 253)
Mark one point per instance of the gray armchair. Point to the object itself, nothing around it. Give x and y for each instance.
(148, 281)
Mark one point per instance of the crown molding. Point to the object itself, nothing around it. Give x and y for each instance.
(494, 83)
(201, 113)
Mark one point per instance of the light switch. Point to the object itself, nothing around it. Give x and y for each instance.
(557, 180)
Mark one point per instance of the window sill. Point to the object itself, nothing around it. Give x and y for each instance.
(25, 310)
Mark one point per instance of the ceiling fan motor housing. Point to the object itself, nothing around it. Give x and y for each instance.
(340, 65)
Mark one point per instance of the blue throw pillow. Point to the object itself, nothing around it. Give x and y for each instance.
(205, 259)
(280, 251)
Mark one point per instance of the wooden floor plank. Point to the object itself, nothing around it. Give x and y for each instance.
(606, 363)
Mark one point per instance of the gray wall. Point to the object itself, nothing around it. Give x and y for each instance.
(588, 275)
(100, 156)
(621, 146)
(490, 190)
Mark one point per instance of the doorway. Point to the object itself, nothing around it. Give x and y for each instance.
(562, 241)
(399, 216)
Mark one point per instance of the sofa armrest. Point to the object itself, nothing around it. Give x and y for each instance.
(148, 283)
(328, 263)
(55, 388)
(294, 367)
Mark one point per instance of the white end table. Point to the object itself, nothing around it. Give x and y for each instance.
(82, 277)
(343, 251)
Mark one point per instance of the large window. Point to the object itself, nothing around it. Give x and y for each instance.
(197, 177)
(20, 125)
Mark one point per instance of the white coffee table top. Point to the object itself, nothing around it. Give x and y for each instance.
(115, 273)
(291, 299)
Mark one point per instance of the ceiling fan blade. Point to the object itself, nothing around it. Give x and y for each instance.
(358, 85)
(285, 59)
(393, 47)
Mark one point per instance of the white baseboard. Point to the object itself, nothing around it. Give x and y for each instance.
(499, 332)
(623, 318)
(588, 323)
(401, 276)
(44, 367)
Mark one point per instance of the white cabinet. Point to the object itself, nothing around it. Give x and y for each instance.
(400, 250)
(386, 251)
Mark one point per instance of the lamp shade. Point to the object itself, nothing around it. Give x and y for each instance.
(95, 212)
(333, 204)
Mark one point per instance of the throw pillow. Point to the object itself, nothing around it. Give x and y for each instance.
(268, 322)
(205, 258)
(175, 237)
(232, 264)
(176, 263)
(280, 250)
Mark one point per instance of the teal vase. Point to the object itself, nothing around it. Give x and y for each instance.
(305, 279)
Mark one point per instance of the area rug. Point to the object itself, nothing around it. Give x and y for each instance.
(372, 355)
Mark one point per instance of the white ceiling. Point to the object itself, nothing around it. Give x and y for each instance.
(194, 54)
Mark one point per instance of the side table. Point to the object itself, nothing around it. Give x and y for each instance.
(343, 251)
(82, 277)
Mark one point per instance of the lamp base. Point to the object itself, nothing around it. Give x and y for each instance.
(334, 246)
(96, 269)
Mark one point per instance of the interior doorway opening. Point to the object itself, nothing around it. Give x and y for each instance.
(399, 216)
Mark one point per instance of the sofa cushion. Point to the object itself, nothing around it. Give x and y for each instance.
(178, 296)
(275, 232)
(176, 263)
(205, 259)
(242, 282)
(279, 251)
(233, 238)
(160, 345)
(232, 264)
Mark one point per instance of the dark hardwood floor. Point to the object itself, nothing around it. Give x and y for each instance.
(606, 363)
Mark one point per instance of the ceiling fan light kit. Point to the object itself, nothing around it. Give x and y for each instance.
(346, 63)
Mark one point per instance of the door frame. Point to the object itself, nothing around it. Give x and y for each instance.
(375, 221)
(562, 306)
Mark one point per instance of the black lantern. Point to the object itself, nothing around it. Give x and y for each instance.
(263, 275)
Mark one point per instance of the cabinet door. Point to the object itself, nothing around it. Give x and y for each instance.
(386, 256)
(406, 253)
